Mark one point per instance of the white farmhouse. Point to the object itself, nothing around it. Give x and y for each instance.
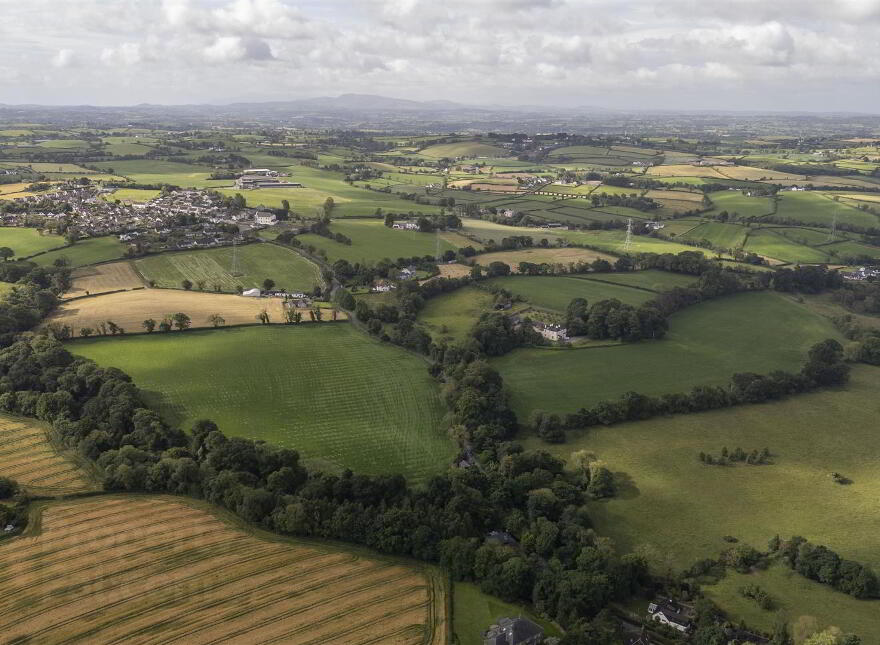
(264, 218)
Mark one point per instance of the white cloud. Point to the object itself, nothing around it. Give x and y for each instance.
(64, 58)
(532, 50)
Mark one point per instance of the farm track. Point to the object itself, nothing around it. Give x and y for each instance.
(155, 570)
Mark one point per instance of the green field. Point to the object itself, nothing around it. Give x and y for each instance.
(131, 194)
(88, 251)
(340, 398)
(816, 208)
(796, 596)
(839, 250)
(740, 206)
(452, 315)
(151, 171)
(372, 241)
(722, 236)
(613, 242)
(652, 279)
(27, 241)
(809, 436)
(706, 344)
(257, 262)
(473, 612)
(555, 292)
(769, 243)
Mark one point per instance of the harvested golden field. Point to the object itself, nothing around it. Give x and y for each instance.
(755, 174)
(685, 170)
(129, 309)
(455, 270)
(103, 277)
(27, 456)
(155, 569)
(541, 255)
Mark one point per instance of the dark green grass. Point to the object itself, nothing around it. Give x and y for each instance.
(555, 292)
(706, 344)
(257, 262)
(84, 252)
(27, 241)
(341, 399)
(650, 279)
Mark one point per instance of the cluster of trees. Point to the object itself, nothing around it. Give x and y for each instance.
(860, 297)
(615, 320)
(428, 223)
(754, 592)
(738, 455)
(32, 297)
(823, 565)
(322, 227)
(559, 563)
(824, 367)
(180, 320)
(634, 200)
(16, 513)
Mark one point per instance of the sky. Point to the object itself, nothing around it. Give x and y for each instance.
(785, 55)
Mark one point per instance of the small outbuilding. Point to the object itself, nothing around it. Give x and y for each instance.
(252, 293)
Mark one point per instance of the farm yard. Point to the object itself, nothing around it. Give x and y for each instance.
(154, 569)
(103, 277)
(28, 456)
(257, 262)
(341, 399)
(706, 344)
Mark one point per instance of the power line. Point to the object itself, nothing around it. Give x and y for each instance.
(629, 234)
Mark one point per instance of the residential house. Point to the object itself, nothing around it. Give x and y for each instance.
(551, 331)
(265, 218)
(382, 287)
(670, 613)
(406, 274)
(513, 631)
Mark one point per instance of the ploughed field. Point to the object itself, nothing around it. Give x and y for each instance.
(327, 390)
(256, 262)
(150, 570)
(706, 344)
(27, 456)
(102, 278)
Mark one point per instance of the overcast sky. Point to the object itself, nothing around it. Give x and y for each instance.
(815, 55)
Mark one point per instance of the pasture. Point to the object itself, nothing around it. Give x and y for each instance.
(815, 208)
(257, 261)
(27, 241)
(27, 456)
(541, 255)
(451, 315)
(706, 344)
(157, 172)
(613, 242)
(150, 569)
(739, 205)
(131, 195)
(771, 244)
(372, 241)
(721, 236)
(656, 465)
(87, 251)
(102, 278)
(555, 292)
(129, 309)
(796, 596)
(340, 398)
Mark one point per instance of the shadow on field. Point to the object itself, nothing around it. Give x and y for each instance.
(172, 413)
(625, 486)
